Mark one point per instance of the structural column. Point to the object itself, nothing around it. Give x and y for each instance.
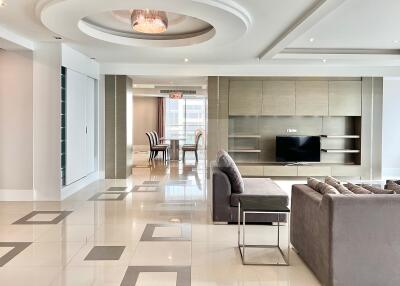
(118, 126)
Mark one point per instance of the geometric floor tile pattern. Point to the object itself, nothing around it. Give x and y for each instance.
(43, 217)
(166, 232)
(157, 275)
(105, 253)
(13, 249)
(160, 233)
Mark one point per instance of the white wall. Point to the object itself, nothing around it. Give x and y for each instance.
(78, 62)
(16, 128)
(391, 128)
(47, 121)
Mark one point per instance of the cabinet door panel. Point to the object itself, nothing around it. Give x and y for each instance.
(76, 162)
(245, 97)
(312, 98)
(345, 98)
(251, 170)
(280, 171)
(304, 171)
(279, 98)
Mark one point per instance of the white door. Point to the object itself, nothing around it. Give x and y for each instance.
(90, 125)
(76, 163)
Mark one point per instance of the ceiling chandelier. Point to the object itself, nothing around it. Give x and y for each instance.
(149, 21)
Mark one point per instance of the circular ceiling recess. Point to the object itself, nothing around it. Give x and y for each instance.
(190, 22)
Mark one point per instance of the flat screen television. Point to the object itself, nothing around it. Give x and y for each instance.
(293, 149)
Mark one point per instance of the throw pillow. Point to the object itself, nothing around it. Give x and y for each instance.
(377, 190)
(357, 189)
(336, 184)
(228, 166)
(321, 187)
(393, 185)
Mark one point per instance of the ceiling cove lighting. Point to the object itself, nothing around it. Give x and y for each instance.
(149, 21)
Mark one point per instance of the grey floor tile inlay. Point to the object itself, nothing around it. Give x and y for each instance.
(26, 219)
(151, 182)
(132, 274)
(98, 197)
(185, 230)
(117, 189)
(18, 247)
(105, 253)
(146, 188)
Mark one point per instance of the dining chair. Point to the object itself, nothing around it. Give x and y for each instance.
(155, 148)
(193, 147)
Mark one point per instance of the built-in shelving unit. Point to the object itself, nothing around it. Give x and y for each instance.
(63, 125)
(340, 151)
(244, 151)
(244, 136)
(341, 136)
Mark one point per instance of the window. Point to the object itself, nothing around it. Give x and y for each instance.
(183, 117)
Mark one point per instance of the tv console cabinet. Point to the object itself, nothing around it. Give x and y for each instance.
(247, 113)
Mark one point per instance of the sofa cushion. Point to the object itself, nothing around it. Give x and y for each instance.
(377, 190)
(358, 189)
(338, 186)
(226, 164)
(261, 187)
(393, 185)
(321, 187)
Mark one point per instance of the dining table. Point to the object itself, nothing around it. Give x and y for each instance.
(174, 147)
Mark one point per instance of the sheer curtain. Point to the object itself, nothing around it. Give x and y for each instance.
(183, 117)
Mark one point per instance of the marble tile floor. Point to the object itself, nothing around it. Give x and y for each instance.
(147, 238)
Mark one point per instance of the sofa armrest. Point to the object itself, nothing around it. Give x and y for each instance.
(221, 194)
(365, 247)
(309, 232)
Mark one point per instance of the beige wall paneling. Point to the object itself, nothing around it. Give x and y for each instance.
(345, 98)
(245, 97)
(145, 116)
(118, 120)
(346, 171)
(279, 98)
(312, 98)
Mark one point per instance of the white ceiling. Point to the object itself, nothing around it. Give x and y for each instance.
(278, 32)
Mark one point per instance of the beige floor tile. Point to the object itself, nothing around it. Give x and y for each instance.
(162, 253)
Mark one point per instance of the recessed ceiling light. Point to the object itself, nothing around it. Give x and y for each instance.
(135, 85)
(57, 37)
(396, 41)
(93, 58)
(186, 60)
(311, 40)
(324, 60)
(3, 3)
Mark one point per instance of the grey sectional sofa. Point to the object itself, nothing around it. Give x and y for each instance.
(347, 240)
(225, 203)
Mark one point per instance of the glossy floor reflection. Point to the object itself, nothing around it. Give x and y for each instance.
(162, 231)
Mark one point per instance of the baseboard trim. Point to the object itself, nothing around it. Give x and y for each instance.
(16, 195)
(78, 185)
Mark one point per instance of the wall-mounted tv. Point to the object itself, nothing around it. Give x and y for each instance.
(294, 149)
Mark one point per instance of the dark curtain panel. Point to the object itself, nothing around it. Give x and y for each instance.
(161, 112)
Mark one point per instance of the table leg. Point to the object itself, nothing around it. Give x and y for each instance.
(174, 150)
